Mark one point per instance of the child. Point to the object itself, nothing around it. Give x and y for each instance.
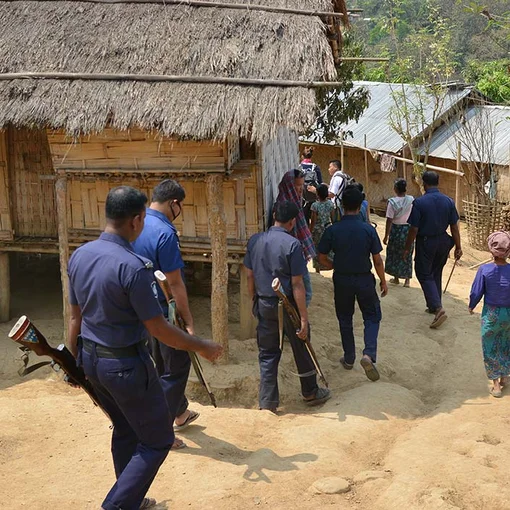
(322, 216)
(493, 281)
(365, 210)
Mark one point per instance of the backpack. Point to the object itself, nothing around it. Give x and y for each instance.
(337, 200)
(310, 180)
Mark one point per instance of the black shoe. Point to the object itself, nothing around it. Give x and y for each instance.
(321, 396)
(346, 365)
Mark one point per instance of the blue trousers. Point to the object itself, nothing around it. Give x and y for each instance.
(307, 282)
(268, 341)
(361, 288)
(430, 259)
(142, 436)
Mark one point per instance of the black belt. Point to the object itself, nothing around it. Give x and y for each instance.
(110, 352)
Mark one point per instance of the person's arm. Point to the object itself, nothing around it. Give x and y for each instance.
(325, 246)
(180, 294)
(379, 269)
(368, 213)
(159, 328)
(411, 237)
(74, 329)
(251, 283)
(299, 293)
(454, 228)
(477, 290)
(389, 223)
(313, 220)
(325, 261)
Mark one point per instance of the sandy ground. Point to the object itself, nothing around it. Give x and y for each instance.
(429, 428)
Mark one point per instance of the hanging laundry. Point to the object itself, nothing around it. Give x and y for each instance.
(388, 163)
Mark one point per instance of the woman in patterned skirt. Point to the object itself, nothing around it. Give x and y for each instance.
(493, 281)
(322, 216)
(397, 214)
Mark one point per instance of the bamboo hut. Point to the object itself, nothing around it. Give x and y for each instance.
(67, 139)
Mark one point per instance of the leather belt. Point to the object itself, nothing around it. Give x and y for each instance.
(110, 352)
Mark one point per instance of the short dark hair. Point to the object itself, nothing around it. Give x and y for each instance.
(323, 191)
(124, 202)
(307, 152)
(168, 190)
(401, 185)
(430, 178)
(337, 163)
(298, 173)
(285, 211)
(352, 198)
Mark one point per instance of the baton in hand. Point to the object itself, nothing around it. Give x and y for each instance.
(450, 277)
(296, 322)
(179, 322)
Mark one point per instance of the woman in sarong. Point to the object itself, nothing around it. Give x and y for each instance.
(493, 281)
(397, 214)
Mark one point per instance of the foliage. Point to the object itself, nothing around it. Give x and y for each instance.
(492, 79)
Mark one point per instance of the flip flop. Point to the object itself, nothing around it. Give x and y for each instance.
(147, 503)
(346, 365)
(370, 370)
(495, 393)
(178, 444)
(439, 320)
(320, 397)
(193, 415)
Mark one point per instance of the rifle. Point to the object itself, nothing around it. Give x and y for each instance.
(296, 322)
(31, 339)
(179, 322)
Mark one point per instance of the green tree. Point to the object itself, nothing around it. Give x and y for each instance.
(491, 78)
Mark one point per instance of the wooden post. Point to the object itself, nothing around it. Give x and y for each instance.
(457, 177)
(342, 150)
(248, 323)
(63, 245)
(219, 292)
(5, 287)
(365, 152)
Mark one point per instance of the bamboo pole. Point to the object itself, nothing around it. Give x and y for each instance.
(342, 151)
(247, 320)
(159, 78)
(63, 246)
(219, 292)
(432, 167)
(200, 3)
(5, 287)
(457, 177)
(366, 165)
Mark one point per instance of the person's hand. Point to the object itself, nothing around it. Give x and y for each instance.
(312, 189)
(471, 311)
(385, 240)
(211, 351)
(190, 329)
(71, 382)
(458, 253)
(303, 332)
(405, 254)
(384, 288)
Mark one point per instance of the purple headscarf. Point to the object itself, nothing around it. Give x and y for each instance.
(499, 244)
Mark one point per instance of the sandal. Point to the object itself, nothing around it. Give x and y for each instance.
(495, 393)
(321, 396)
(438, 320)
(193, 415)
(147, 503)
(370, 370)
(346, 365)
(178, 444)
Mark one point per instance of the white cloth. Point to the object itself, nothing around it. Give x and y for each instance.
(337, 185)
(399, 209)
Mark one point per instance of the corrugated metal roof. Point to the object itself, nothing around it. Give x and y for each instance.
(374, 121)
(444, 139)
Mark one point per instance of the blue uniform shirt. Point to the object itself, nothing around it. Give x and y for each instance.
(159, 243)
(115, 290)
(432, 213)
(274, 254)
(352, 240)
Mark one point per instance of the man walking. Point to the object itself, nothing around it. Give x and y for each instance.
(113, 302)
(430, 217)
(353, 241)
(277, 254)
(160, 244)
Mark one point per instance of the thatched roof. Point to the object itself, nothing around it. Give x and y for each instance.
(82, 37)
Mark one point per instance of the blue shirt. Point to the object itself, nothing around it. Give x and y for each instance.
(115, 290)
(352, 240)
(432, 213)
(493, 282)
(274, 254)
(159, 243)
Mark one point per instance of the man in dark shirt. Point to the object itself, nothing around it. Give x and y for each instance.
(353, 241)
(160, 244)
(430, 217)
(277, 254)
(113, 299)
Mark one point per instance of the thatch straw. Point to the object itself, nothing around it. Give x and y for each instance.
(155, 39)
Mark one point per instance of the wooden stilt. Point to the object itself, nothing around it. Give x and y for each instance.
(219, 253)
(248, 323)
(457, 177)
(63, 245)
(5, 287)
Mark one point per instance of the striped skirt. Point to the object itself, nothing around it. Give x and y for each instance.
(396, 266)
(496, 341)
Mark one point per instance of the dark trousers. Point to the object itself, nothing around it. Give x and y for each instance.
(173, 367)
(142, 436)
(361, 288)
(430, 259)
(268, 341)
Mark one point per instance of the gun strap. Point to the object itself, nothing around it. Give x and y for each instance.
(25, 369)
(280, 323)
(306, 374)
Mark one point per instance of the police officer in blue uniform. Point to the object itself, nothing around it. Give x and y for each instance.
(277, 254)
(159, 243)
(354, 242)
(430, 218)
(113, 302)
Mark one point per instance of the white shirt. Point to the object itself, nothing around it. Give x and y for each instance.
(337, 184)
(399, 209)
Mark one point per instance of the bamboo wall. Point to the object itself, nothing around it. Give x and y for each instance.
(6, 232)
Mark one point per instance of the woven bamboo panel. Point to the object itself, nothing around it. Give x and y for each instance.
(5, 207)
(31, 182)
(481, 221)
(134, 150)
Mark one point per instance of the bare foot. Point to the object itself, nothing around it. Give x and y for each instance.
(503, 381)
(407, 283)
(395, 281)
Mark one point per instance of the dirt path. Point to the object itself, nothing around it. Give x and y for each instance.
(429, 430)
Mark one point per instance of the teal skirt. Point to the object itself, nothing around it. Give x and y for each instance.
(496, 341)
(396, 265)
